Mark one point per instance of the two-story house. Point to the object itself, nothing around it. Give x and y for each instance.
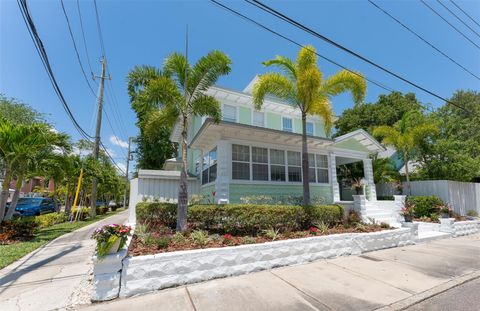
(253, 152)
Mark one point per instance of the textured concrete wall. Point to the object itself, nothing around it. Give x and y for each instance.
(466, 227)
(147, 273)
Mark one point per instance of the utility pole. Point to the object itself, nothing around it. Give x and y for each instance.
(96, 147)
(126, 174)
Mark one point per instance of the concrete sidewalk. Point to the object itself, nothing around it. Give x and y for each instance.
(391, 279)
(52, 276)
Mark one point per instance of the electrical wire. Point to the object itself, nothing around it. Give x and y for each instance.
(84, 38)
(458, 18)
(464, 12)
(291, 21)
(423, 39)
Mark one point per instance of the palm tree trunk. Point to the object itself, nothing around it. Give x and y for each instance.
(5, 192)
(405, 158)
(16, 194)
(183, 192)
(305, 179)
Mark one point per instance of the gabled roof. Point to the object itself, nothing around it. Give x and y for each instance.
(359, 138)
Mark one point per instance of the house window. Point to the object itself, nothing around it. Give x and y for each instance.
(287, 124)
(209, 173)
(240, 162)
(322, 168)
(277, 165)
(258, 119)
(294, 166)
(259, 163)
(309, 126)
(311, 168)
(229, 113)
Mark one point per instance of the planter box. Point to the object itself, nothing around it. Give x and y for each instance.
(143, 274)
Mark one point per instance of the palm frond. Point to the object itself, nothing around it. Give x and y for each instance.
(139, 77)
(306, 58)
(285, 64)
(205, 105)
(308, 83)
(206, 72)
(390, 136)
(272, 84)
(165, 117)
(176, 67)
(321, 106)
(423, 131)
(346, 81)
(162, 92)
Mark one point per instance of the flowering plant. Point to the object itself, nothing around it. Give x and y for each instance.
(227, 239)
(110, 236)
(313, 230)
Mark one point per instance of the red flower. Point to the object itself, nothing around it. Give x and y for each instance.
(227, 236)
(214, 193)
(313, 229)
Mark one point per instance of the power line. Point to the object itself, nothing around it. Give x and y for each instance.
(283, 17)
(450, 24)
(466, 14)
(83, 36)
(76, 50)
(456, 16)
(22, 4)
(423, 39)
(298, 44)
(111, 158)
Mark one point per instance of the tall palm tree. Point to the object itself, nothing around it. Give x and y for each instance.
(178, 93)
(406, 135)
(301, 84)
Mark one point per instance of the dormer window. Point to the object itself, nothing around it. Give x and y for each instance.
(287, 124)
(229, 113)
(258, 119)
(309, 128)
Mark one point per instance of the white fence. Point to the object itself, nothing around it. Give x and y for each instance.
(158, 185)
(463, 196)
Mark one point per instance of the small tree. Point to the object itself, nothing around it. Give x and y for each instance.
(406, 135)
(178, 93)
(302, 85)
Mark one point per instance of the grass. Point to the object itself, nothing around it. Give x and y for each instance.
(13, 252)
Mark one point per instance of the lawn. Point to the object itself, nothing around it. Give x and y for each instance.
(12, 252)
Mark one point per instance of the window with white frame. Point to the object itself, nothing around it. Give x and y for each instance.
(294, 166)
(277, 165)
(322, 168)
(240, 162)
(258, 118)
(287, 124)
(229, 113)
(259, 163)
(312, 173)
(209, 172)
(309, 127)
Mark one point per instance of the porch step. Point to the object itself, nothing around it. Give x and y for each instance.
(432, 235)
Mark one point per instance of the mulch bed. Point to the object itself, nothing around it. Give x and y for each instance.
(138, 247)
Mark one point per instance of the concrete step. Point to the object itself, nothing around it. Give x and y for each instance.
(432, 235)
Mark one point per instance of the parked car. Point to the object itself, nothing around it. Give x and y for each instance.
(35, 206)
(112, 204)
(101, 203)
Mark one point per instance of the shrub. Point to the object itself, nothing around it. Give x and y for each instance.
(248, 240)
(160, 242)
(326, 214)
(179, 238)
(424, 205)
(48, 220)
(385, 197)
(472, 213)
(23, 228)
(272, 234)
(101, 210)
(162, 213)
(84, 213)
(199, 237)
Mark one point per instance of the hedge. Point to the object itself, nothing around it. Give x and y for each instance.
(50, 219)
(425, 205)
(241, 218)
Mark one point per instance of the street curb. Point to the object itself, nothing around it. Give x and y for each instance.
(415, 299)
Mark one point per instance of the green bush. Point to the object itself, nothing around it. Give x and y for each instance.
(48, 220)
(326, 214)
(101, 210)
(162, 213)
(84, 213)
(22, 228)
(385, 197)
(425, 206)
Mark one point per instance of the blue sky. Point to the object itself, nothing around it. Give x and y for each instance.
(144, 32)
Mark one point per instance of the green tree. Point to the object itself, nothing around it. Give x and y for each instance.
(387, 110)
(455, 155)
(301, 84)
(406, 136)
(17, 112)
(177, 93)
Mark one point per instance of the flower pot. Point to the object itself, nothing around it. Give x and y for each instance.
(114, 248)
(408, 218)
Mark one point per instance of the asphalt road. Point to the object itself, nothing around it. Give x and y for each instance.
(464, 297)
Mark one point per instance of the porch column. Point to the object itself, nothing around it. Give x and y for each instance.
(333, 178)
(368, 171)
(224, 163)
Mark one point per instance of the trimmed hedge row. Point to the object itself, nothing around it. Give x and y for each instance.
(241, 218)
(425, 206)
(50, 219)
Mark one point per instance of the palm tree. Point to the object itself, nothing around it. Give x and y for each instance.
(178, 93)
(406, 135)
(303, 86)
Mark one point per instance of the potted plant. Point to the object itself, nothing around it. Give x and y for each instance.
(408, 212)
(111, 238)
(357, 185)
(445, 210)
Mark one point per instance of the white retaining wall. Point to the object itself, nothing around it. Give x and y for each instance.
(463, 196)
(147, 273)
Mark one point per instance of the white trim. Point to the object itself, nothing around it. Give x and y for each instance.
(293, 126)
(236, 112)
(361, 132)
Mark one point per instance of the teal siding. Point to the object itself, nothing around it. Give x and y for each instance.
(238, 191)
(206, 193)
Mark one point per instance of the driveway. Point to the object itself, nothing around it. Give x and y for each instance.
(394, 278)
(55, 275)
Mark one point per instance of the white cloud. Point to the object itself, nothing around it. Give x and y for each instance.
(112, 152)
(118, 142)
